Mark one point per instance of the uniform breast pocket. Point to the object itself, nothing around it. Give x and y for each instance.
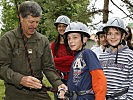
(18, 58)
(39, 53)
(37, 58)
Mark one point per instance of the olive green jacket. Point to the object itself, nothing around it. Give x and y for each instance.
(14, 63)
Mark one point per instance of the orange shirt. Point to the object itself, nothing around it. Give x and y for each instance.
(99, 84)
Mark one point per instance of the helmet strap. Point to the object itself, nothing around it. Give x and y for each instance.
(62, 35)
(84, 43)
(105, 47)
(116, 45)
(116, 56)
(117, 48)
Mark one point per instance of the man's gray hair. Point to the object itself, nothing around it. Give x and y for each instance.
(30, 8)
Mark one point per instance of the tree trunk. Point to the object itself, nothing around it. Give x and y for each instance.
(105, 11)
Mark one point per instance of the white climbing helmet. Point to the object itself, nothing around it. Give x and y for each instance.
(63, 20)
(116, 22)
(77, 27)
(100, 30)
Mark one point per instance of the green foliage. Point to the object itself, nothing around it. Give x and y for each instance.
(130, 25)
(8, 16)
(76, 10)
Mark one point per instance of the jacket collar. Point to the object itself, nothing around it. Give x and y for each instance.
(33, 38)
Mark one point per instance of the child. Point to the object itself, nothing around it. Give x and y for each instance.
(62, 57)
(102, 41)
(86, 78)
(117, 62)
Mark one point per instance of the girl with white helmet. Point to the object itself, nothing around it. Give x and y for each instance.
(117, 62)
(62, 57)
(86, 78)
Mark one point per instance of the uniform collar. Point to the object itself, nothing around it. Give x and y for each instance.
(33, 38)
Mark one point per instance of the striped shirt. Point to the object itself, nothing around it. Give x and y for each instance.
(118, 75)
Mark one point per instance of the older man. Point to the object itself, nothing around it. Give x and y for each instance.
(25, 54)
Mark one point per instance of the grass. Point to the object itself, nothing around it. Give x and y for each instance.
(48, 84)
(2, 88)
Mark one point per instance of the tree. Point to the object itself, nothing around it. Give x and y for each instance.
(105, 11)
(128, 5)
(76, 10)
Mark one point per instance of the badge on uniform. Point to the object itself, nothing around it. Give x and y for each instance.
(29, 51)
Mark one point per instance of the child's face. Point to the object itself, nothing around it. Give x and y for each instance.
(114, 36)
(102, 39)
(74, 41)
(61, 28)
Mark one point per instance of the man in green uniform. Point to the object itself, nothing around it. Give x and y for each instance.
(24, 55)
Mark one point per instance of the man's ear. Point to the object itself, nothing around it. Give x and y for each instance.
(85, 39)
(21, 18)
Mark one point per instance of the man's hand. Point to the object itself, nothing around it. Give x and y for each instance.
(31, 82)
(62, 89)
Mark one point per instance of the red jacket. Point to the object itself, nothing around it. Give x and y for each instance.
(62, 59)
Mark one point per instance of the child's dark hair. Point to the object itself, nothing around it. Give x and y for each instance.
(129, 38)
(107, 29)
(57, 44)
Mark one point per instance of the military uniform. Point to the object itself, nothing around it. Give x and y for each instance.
(14, 65)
